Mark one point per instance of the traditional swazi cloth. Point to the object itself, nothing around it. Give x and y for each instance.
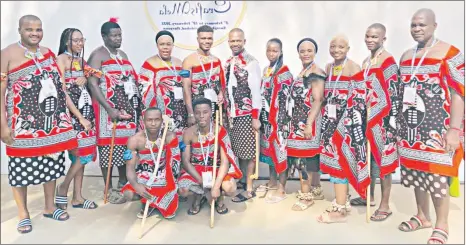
(208, 75)
(158, 87)
(119, 85)
(164, 189)
(243, 102)
(37, 113)
(83, 102)
(299, 109)
(198, 160)
(422, 126)
(361, 127)
(274, 117)
(333, 129)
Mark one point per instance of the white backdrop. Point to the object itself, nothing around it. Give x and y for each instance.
(288, 20)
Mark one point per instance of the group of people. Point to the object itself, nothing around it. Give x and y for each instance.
(324, 120)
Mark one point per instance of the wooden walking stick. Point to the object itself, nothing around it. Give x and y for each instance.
(256, 172)
(109, 171)
(153, 176)
(221, 114)
(214, 171)
(368, 160)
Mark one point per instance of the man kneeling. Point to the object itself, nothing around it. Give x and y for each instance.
(198, 161)
(140, 158)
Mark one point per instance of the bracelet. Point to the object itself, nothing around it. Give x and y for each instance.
(3, 77)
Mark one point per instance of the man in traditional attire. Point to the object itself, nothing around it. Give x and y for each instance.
(35, 123)
(202, 74)
(198, 161)
(141, 156)
(116, 101)
(431, 121)
(381, 68)
(243, 100)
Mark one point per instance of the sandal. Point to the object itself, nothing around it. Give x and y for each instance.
(265, 188)
(201, 204)
(221, 211)
(439, 236)
(275, 199)
(303, 197)
(325, 217)
(61, 201)
(318, 193)
(86, 205)
(358, 201)
(410, 226)
(24, 223)
(382, 214)
(241, 198)
(57, 215)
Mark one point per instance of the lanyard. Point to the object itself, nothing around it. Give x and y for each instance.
(203, 69)
(338, 77)
(414, 70)
(172, 69)
(369, 62)
(206, 155)
(117, 58)
(33, 56)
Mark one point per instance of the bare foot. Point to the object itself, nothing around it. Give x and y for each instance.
(332, 217)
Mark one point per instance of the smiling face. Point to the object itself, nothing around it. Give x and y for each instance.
(306, 52)
(273, 51)
(422, 27)
(205, 40)
(31, 32)
(339, 48)
(77, 42)
(374, 38)
(236, 41)
(165, 46)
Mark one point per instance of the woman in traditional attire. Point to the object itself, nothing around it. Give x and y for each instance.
(304, 107)
(275, 90)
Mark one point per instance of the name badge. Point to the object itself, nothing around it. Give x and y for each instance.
(178, 93)
(409, 96)
(210, 94)
(207, 180)
(332, 111)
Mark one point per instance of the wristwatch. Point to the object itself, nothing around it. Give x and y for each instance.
(190, 115)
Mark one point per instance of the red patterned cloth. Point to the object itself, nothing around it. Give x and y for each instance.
(197, 159)
(422, 127)
(164, 188)
(158, 90)
(37, 111)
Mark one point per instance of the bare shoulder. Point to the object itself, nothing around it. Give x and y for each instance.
(189, 61)
(317, 70)
(355, 67)
(176, 61)
(134, 141)
(152, 60)
(406, 55)
(124, 55)
(45, 50)
(170, 136)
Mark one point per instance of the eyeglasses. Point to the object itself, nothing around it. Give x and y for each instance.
(77, 40)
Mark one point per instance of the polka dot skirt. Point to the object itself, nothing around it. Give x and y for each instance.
(243, 139)
(25, 171)
(117, 158)
(432, 183)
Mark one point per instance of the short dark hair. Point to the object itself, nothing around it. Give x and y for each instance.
(204, 28)
(202, 101)
(378, 26)
(107, 26)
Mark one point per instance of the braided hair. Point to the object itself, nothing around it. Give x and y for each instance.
(66, 36)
